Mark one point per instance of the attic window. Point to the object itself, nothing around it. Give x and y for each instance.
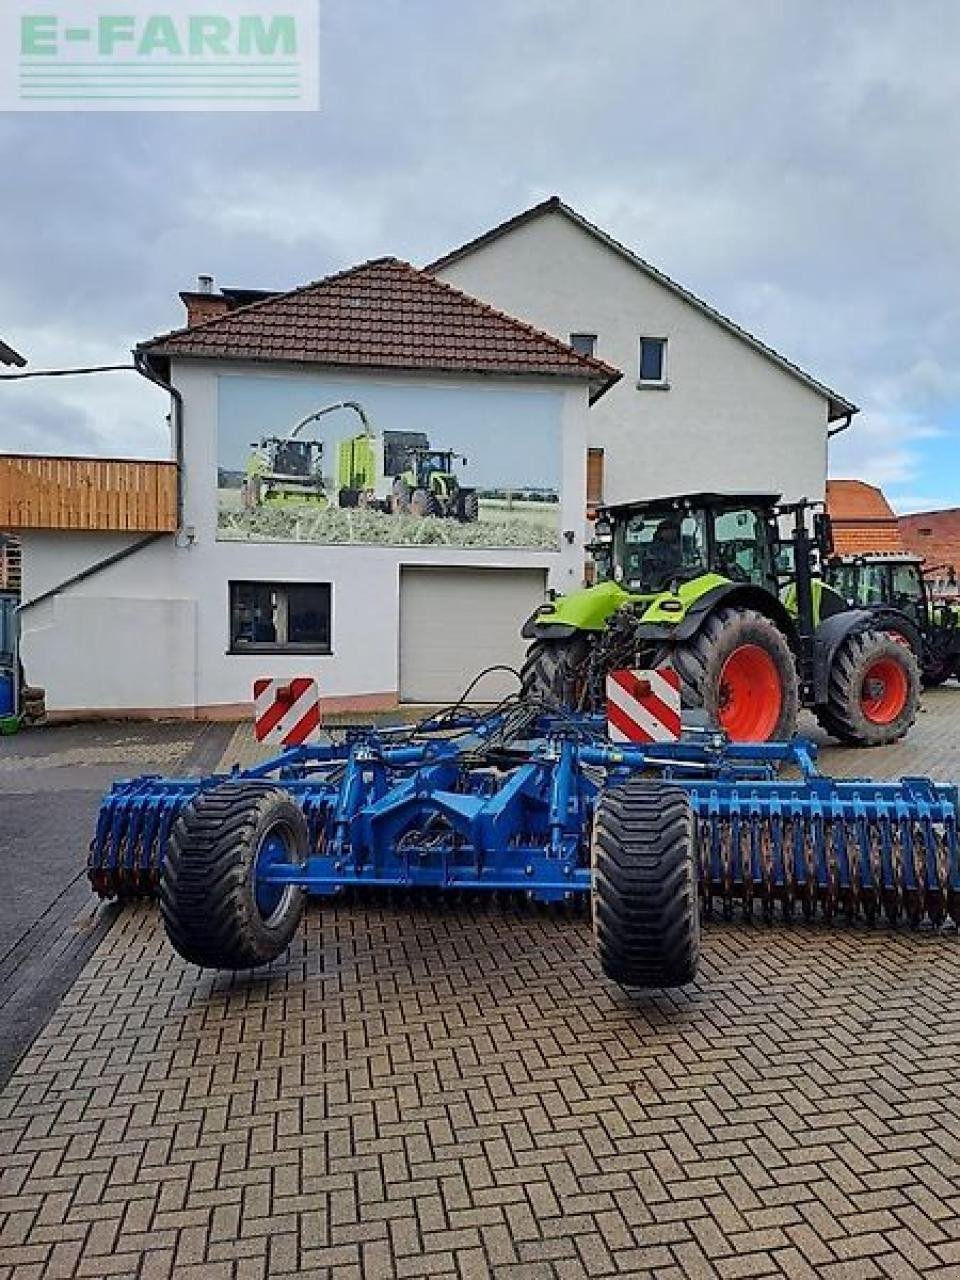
(584, 344)
(652, 362)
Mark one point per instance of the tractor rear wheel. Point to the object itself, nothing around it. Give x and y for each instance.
(873, 692)
(469, 507)
(215, 911)
(740, 668)
(424, 503)
(646, 913)
(552, 671)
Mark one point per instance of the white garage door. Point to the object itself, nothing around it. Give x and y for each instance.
(455, 622)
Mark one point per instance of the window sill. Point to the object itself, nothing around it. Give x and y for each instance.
(288, 650)
(644, 385)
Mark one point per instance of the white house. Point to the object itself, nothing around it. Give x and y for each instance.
(703, 405)
(168, 588)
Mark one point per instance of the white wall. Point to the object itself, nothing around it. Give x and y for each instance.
(731, 420)
(152, 632)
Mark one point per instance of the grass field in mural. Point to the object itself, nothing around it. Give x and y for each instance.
(501, 523)
(388, 462)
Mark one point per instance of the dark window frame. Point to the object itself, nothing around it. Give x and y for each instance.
(582, 337)
(661, 381)
(239, 647)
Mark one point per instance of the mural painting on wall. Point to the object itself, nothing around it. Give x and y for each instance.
(394, 463)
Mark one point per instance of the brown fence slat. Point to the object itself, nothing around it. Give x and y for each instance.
(87, 493)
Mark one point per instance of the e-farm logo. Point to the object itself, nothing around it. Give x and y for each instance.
(182, 55)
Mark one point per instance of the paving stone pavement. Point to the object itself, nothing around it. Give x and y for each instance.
(448, 1091)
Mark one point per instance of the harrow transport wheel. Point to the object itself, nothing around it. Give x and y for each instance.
(874, 690)
(551, 671)
(645, 910)
(739, 667)
(215, 912)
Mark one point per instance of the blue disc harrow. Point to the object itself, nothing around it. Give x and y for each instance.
(508, 803)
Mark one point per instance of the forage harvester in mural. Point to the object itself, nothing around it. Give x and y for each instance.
(396, 472)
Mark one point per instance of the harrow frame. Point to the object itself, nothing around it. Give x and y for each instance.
(507, 803)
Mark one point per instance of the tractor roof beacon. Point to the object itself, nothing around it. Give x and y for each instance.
(895, 580)
(710, 583)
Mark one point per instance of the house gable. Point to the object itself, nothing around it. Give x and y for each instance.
(837, 406)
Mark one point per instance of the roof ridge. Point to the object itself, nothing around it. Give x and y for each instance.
(556, 204)
(262, 302)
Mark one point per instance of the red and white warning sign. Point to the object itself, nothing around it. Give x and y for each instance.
(286, 712)
(643, 706)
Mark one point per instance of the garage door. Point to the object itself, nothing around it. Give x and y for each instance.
(455, 622)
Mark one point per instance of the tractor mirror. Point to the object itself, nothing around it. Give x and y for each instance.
(823, 533)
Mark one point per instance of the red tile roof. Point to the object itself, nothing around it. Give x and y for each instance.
(383, 314)
(862, 518)
(935, 535)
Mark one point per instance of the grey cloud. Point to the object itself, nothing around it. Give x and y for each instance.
(793, 163)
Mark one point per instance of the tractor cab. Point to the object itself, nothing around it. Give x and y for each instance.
(894, 580)
(433, 469)
(647, 547)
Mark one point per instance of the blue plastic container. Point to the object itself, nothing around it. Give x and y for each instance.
(6, 693)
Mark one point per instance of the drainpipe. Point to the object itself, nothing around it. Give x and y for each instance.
(143, 368)
(835, 431)
(91, 570)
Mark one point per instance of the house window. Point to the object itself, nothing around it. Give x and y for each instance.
(653, 361)
(267, 617)
(585, 344)
(594, 477)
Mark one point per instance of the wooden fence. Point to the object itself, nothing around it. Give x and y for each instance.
(87, 493)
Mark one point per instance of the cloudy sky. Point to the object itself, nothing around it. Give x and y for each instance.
(795, 162)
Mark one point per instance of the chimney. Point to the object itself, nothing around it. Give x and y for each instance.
(202, 303)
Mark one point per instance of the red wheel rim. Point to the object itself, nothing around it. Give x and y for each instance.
(751, 695)
(885, 691)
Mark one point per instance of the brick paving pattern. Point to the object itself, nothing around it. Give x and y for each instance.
(447, 1091)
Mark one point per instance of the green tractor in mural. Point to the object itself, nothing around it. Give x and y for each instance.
(287, 471)
(707, 584)
(398, 472)
(894, 580)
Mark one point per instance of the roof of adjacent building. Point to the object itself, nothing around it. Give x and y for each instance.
(9, 356)
(862, 518)
(838, 406)
(383, 314)
(935, 535)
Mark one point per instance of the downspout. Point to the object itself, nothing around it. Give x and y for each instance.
(141, 367)
(835, 431)
(92, 569)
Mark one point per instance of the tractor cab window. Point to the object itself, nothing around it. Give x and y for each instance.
(742, 547)
(906, 592)
(660, 546)
(861, 584)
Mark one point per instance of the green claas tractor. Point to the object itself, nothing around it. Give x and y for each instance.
(428, 486)
(706, 583)
(399, 473)
(880, 581)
